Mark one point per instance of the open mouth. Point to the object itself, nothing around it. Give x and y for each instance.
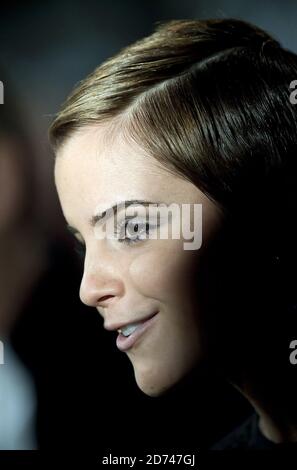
(130, 333)
(127, 330)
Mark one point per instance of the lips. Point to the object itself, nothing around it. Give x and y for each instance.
(119, 326)
(124, 343)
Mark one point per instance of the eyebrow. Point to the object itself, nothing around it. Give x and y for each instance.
(113, 210)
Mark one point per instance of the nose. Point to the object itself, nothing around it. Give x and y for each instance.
(94, 292)
(100, 285)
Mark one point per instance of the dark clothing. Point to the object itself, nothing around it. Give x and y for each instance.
(248, 436)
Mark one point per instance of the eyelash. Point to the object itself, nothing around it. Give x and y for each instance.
(80, 247)
(127, 240)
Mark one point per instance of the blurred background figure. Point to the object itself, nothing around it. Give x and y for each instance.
(22, 260)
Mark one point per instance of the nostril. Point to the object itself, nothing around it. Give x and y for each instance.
(105, 297)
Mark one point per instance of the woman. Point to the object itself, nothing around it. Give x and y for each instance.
(198, 112)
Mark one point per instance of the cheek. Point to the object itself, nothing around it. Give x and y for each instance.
(163, 269)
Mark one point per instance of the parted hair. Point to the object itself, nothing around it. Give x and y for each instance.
(208, 99)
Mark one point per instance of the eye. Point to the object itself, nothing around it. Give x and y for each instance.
(135, 230)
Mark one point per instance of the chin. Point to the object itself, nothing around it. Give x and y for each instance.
(154, 382)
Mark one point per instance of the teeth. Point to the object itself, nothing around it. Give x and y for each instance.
(129, 329)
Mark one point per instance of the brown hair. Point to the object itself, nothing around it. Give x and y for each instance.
(206, 97)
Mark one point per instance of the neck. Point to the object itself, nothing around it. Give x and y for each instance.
(22, 257)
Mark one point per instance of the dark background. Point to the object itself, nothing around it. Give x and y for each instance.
(87, 396)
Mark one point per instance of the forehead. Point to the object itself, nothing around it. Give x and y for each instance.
(97, 167)
(93, 161)
(96, 154)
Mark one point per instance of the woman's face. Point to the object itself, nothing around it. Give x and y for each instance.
(151, 283)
